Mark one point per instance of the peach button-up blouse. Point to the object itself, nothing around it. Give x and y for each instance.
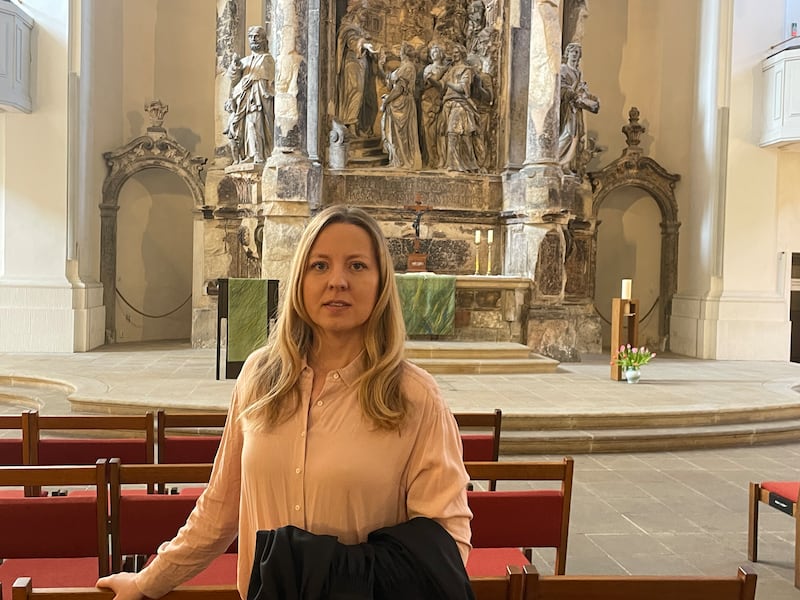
(327, 470)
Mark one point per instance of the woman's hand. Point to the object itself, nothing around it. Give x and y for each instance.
(123, 586)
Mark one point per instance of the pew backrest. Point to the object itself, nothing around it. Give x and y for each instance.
(54, 527)
(531, 518)
(632, 587)
(141, 522)
(197, 444)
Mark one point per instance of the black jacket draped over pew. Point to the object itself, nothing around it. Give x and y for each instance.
(415, 560)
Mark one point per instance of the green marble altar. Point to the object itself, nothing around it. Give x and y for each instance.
(428, 301)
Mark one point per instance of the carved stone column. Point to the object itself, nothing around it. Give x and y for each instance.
(291, 180)
(108, 264)
(543, 87)
(534, 193)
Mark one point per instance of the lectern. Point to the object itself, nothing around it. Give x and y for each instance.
(624, 330)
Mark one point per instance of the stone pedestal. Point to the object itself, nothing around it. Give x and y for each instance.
(291, 190)
(564, 331)
(226, 238)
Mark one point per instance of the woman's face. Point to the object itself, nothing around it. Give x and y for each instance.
(340, 284)
(436, 53)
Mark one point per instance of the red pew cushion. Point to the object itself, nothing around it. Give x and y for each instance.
(787, 489)
(49, 572)
(490, 562)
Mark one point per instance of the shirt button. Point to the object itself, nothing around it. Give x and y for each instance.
(319, 402)
(336, 376)
(297, 507)
(302, 434)
(298, 470)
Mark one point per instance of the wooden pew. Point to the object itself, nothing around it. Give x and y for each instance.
(634, 587)
(783, 496)
(14, 449)
(509, 587)
(199, 447)
(130, 438)
(24, 590)
(127, 437)
(505, 521)
(140, 523)
(61, 540)
(480, 436)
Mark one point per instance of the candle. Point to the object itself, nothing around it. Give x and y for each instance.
(626, 289)
(491, 235)
(477, 236)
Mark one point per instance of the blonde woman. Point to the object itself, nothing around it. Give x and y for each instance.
(330, 430)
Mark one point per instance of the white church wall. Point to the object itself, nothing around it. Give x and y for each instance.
(754, 310)
(788, 201)
(168, 54)
(641, 53)
(35, 297)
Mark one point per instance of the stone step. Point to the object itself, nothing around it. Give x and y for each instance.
(475, 358)
(647, 439)
(485, 366)
(653, 419)
(466, 350)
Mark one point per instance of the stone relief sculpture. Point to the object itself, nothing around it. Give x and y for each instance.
(454, 91)
(357, 70)
(476, 23)
(251, 237)
(433, 134)
(483, 85)
(574, 147)
(399, 107)
(450, 20)
(460, 114)
(251, 101)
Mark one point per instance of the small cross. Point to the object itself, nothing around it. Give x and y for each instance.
(419, 209)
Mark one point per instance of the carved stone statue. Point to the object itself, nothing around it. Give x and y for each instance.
(251, 101)
(575, 98)
(433, 134)
(476, 22)
(450, 20)
(483, 93)
(357, 57)
(399, 108)
(460, 114)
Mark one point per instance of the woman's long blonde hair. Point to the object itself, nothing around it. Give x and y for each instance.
(272, 394)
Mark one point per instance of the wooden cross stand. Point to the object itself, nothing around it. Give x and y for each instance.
(624, 330)
(417, 261)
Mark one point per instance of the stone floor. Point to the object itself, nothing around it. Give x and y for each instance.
(678, 512)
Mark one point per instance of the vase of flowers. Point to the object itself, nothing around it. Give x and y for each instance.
(631, 359)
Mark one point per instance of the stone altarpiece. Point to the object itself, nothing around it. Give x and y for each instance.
(455, 104)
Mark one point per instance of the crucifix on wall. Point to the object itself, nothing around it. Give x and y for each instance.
(417, 260)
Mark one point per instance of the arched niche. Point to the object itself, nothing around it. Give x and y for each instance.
(155, 150)
(632, 169)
